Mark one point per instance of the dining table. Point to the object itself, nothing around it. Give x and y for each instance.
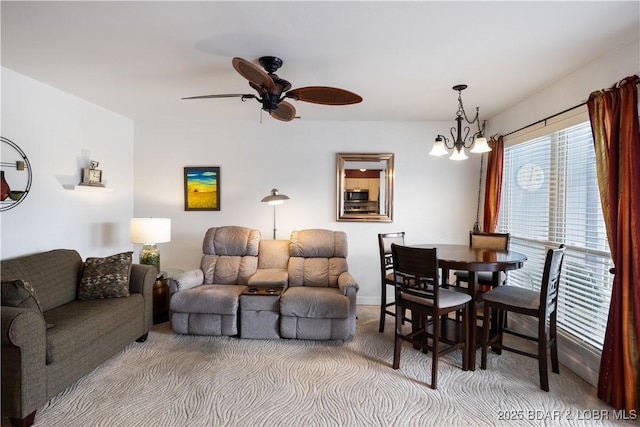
(474, 260)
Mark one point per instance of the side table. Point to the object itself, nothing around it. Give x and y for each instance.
(161, 295)
(260, 312)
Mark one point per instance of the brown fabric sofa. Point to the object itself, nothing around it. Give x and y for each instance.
(43, 354)
(318, 299)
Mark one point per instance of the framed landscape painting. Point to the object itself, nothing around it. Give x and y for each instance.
(202, 188)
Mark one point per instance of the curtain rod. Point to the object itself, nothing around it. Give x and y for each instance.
(546, 118)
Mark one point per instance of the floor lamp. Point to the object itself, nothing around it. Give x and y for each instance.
(275, 198)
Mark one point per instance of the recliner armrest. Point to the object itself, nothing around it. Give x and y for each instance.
(269, 277)
(346, 281)
(186, 280)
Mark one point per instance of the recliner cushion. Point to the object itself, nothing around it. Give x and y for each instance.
(318, 243)
(313, 302)
(231, 241)
(212, 299)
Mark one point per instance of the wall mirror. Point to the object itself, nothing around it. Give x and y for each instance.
(365, 187)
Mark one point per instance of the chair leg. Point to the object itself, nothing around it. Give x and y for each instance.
(542, 355)
(485, 335)
(383, 307)
(555, 366)
(397, 341)
(436, 350)
(466, 334)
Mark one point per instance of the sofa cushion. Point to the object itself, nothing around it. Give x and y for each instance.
(54, 275)
(18, 293)
(212, 299)
(79, 323)
(106, 277)
(317, 303)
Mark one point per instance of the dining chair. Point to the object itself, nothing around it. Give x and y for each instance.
(416, 272)
(497, 241)
(386, 272)
(541, 304)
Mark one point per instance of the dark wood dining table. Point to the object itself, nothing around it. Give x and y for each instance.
(474, 260)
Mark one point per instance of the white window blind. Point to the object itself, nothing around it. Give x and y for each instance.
(550, 196)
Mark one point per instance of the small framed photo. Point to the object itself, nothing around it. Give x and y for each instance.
(202, 188)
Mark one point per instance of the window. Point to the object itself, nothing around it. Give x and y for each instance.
(550, 196)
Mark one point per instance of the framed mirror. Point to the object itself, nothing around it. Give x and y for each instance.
(364, 187)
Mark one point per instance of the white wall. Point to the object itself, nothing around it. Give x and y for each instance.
(435, 198)
(59, 133)
(570, 91)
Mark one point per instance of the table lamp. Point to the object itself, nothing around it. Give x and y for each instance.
(275, 198)
(149, 232)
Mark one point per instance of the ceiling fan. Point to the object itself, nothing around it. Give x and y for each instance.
(272, 90)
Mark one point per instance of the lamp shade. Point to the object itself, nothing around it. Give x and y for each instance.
(438, 148)
(458, 155)
(150, 230)
(275, 198)
(480, 145)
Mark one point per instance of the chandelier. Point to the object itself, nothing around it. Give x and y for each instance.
(458, 143)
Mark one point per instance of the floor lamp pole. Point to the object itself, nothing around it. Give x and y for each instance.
(274, 222)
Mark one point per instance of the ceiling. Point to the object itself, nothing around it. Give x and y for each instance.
(139, 58)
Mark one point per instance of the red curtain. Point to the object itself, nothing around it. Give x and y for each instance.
(616, 134)
(493, 185)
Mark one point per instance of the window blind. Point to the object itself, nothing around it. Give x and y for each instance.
(550, 197)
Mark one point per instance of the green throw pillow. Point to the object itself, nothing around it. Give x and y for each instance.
(106, 277)
(18, 293)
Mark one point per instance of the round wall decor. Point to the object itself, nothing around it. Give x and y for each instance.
(15, 175)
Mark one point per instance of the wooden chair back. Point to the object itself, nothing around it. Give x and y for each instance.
(497, 241)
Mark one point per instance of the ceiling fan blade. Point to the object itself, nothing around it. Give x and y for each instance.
(252, 73)
(324, 95)
(224, 95)
(285, 112)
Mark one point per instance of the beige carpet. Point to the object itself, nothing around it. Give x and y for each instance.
(174, 380)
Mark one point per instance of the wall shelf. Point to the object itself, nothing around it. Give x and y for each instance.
(91, 188)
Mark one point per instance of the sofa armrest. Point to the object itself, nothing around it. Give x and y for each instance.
(141, 281)
(346, 282)
(24, 376)
(186, 280)
(269, 277)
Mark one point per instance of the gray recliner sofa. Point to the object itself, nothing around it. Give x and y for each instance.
(205, 301)
(320, 301)
(318, 294)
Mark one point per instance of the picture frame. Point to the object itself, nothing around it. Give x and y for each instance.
(202, 188)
